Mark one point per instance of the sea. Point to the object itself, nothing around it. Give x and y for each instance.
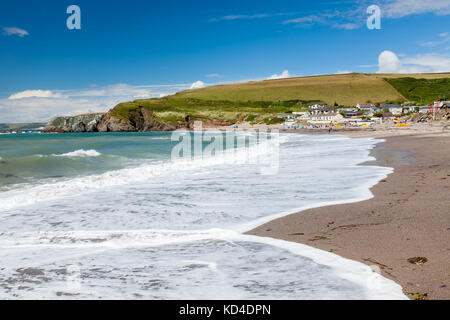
(118, 216)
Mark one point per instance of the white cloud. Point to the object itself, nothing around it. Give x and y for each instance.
(347, 26)
(354, 16)
(283, 75)
(34, 94)
(42, 105)
(241, 16)
(43, 109)
(431, 62)
(306, 21)
(250, 16)
(443, 38)
(402, 8)
(197, 85)
(14, 31)
(343, 72)
(115, 90)
(389, 62)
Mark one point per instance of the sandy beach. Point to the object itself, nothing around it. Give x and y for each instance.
(404, 229)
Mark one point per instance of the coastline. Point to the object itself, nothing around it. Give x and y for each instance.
(407, 217)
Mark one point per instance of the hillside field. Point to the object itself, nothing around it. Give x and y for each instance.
(347, 89)
(261, 102)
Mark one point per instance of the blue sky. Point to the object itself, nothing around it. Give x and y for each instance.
(134, 49)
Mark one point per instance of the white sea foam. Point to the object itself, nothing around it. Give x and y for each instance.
(94, 242)
(178, 227)
(52, 191)
(80, 153)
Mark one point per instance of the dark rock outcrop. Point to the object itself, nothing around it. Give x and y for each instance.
(137, 120)
(82, 123)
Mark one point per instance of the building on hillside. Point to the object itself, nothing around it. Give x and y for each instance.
(368, 109)
(326, 110)
(317, 106)
(348, 109)
(326, 118)
(424, 109)
(409, 109)
(392, 108)
(301, 115)
(377, 120)
(351, 114)
(287, 116)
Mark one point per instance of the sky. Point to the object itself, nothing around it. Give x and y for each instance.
(133, 49)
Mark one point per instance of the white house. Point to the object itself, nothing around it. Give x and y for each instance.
(321, 111)
(424, 109)
(409, 109)
(301, 115)
(393, 108)
(287, 116)
(362, 106)
(369, 109)
(326, 118)
(317, 106)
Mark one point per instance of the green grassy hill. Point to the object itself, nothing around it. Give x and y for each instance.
(346, 89)
(261, 101)
(423, 91)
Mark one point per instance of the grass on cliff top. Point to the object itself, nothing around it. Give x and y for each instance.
(348, 89)
(174, 109)
(345, 89)
(422, 91)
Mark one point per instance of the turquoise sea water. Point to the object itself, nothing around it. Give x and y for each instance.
(98, 216)
(31, 157)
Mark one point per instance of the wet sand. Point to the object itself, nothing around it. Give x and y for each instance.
(408, 217)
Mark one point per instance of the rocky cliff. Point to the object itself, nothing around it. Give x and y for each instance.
(82, 123)
(138, 120)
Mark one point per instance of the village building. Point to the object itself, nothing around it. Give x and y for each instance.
(348, 109)
(392, 108)
(368, 109)
(350, 114)
(326, 118)
(317, 106)
(287, 116)
(424, 109)
(409, 109)
(301, 115)
(326, 110)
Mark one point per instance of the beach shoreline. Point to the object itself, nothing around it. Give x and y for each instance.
(407, 218)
